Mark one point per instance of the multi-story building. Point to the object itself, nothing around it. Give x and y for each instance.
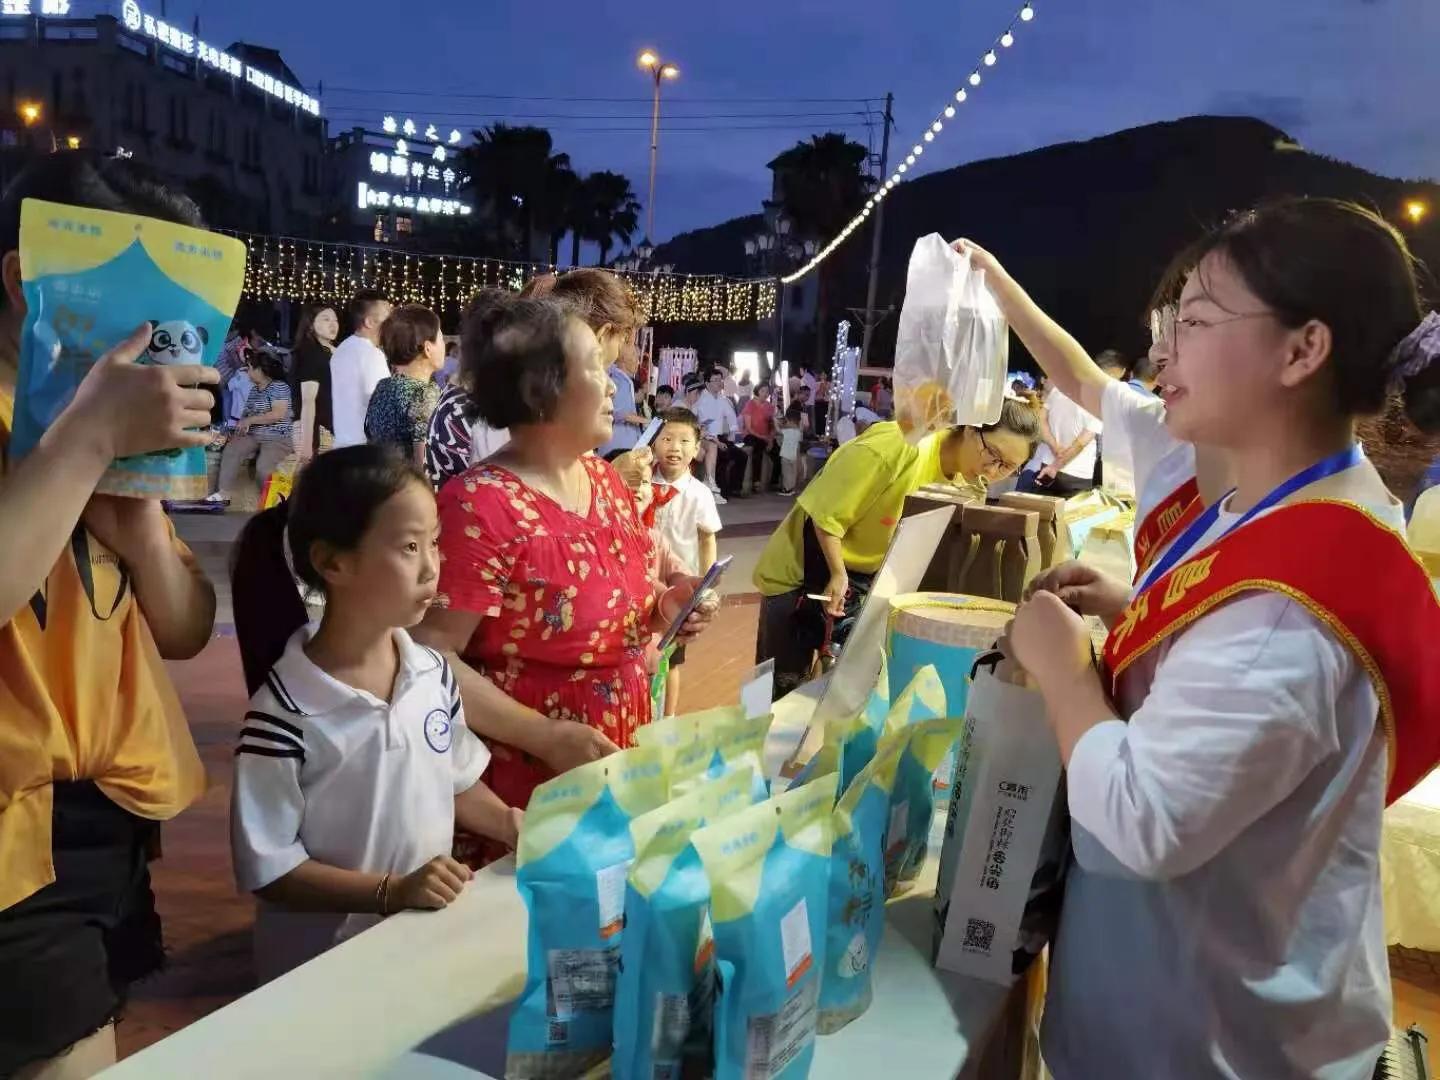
(234, 127)
(399, 185)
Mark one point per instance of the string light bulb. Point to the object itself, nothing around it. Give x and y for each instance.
(988, 59)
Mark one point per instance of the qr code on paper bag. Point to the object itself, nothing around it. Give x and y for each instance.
(979, 935)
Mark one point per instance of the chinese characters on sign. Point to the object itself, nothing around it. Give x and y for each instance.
(138, 22)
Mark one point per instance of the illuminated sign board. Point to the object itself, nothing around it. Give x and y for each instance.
(367, 198)
(172, 37)
(43, 7)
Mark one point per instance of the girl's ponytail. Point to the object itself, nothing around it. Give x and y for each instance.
(268, 606)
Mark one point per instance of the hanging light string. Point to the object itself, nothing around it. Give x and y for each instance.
(313, 271)
(992, 55)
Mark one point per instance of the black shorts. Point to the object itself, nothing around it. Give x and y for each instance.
(70, 951)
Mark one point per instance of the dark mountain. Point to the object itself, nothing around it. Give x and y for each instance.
(1088, 227)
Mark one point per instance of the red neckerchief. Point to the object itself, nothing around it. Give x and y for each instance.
(660, 496)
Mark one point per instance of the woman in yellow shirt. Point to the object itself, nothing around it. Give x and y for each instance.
(834, 539)
(94, 750)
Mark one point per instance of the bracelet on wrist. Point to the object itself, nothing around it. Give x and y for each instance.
(382, 896)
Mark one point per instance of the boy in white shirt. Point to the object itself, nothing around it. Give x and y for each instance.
(685, 513)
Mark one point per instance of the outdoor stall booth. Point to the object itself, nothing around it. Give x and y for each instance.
(432, 994)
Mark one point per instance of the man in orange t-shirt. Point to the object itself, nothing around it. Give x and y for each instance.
(94, 749)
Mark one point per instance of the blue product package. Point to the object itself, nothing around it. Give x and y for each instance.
(769, 872)
(574, 855)
(665, 991)
(869, 829)
(725, 740)
(912, 798)
(856, 906)
(90, 278)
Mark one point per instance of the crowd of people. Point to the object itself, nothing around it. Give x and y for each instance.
(491, 589)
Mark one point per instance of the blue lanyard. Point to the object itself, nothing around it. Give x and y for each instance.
(1335, 463)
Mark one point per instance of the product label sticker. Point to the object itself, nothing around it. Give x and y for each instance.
(705, 950)
(795, 943)
(610, 893)
(581, 980)
(945, 772)
(896, 836)
(672, 1028)
(772, 1042)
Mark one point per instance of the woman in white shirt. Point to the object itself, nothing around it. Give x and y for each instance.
(1222, 917)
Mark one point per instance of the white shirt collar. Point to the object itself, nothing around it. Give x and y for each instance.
(304, 688)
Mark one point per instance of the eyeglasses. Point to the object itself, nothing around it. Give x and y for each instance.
(1166, 323)
(994, 464)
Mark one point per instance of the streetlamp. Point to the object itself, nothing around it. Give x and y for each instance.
(661, 71)
(30, 112)
(1415, 210)
(773, 251)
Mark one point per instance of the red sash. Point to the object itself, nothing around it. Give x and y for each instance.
(1170, 517)
(1314, 552)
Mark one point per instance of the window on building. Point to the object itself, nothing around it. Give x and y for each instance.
(382, 230)
(402, 225)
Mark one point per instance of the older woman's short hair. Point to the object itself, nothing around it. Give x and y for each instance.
(404, 335)
(512, 356)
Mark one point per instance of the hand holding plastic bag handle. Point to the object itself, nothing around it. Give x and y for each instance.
(132, 408)
(1083, 589)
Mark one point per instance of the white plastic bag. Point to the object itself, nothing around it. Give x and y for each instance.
(953, 346)
(1007, 838)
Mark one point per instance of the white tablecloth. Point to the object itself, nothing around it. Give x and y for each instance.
(1410, 868)
(429, 994)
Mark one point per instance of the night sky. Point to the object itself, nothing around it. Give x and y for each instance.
(1355, 79)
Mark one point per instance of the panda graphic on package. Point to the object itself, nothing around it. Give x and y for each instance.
(175, 342)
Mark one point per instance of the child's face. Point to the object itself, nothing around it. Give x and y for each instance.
(396, 567)
(664, 401)
(675, 449)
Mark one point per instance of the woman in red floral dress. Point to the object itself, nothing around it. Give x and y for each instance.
(547, 591)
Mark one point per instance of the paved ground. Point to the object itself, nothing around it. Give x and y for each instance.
(207, 924)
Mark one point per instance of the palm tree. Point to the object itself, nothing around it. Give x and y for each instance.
(515, 173)
(822, 185)
(609, 210)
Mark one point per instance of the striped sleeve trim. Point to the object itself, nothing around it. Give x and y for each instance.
(270, 751)
(270, 736)
(275, 721)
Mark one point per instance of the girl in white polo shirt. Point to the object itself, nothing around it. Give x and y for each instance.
(354, 763)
